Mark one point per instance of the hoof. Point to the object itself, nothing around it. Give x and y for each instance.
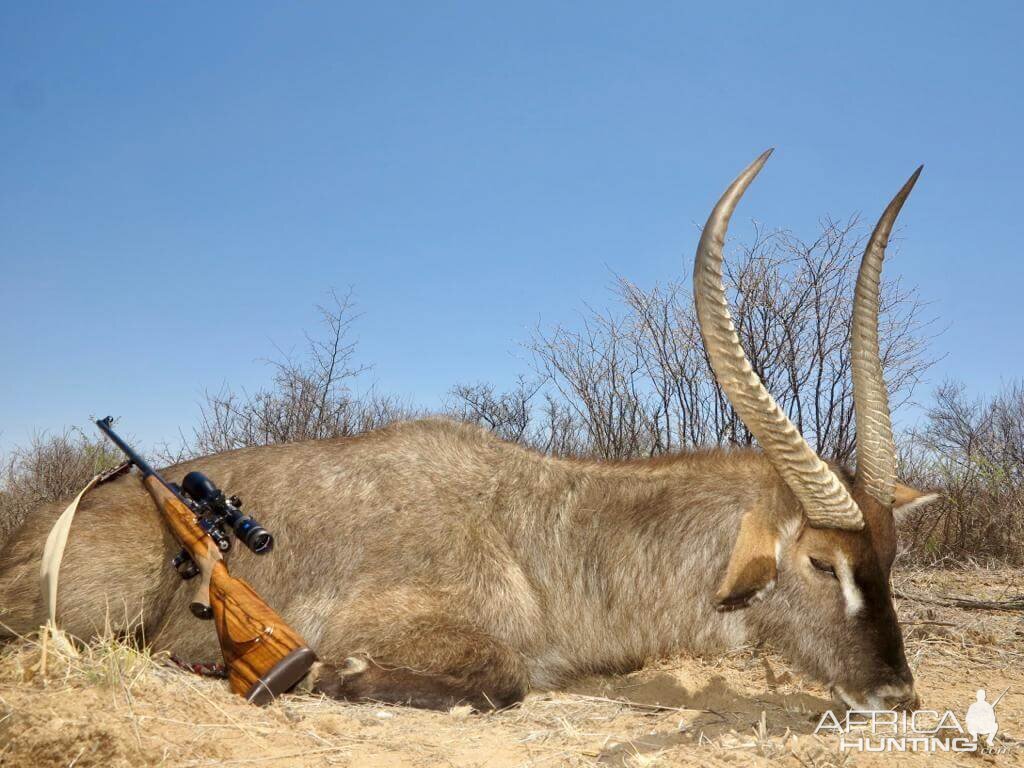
(352, 666)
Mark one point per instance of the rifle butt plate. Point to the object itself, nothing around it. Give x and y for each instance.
(281, 677)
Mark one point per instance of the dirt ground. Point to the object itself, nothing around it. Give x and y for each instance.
(116, 707)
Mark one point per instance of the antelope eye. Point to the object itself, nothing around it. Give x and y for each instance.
(824, 567)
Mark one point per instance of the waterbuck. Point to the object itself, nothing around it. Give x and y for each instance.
(429, 563)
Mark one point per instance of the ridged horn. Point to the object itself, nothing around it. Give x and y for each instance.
(826, 502)
(876, 449)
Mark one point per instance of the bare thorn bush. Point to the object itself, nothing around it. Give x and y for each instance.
(311, 396)
(637, 382)
(972, 451)
(50, 468)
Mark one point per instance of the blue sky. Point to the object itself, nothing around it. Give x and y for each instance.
(182, 183)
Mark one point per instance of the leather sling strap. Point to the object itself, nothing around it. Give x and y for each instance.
(53, 551)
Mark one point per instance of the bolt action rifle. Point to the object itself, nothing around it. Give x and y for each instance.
(264, 656)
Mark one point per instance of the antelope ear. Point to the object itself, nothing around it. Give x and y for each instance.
(752, 567)
(908, 499)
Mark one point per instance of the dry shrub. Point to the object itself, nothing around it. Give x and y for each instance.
(311, 397)
(972, 451)
(51, 468)
(550, 425)
(636, 381)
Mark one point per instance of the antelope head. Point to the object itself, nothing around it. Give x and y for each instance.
(821, 552)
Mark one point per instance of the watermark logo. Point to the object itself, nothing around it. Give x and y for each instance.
(981, 718)
(923, 730)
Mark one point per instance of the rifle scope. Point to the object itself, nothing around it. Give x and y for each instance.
(213, 506)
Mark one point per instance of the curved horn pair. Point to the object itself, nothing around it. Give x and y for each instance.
(826, 501)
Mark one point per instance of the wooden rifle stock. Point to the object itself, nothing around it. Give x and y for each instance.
(264, 656)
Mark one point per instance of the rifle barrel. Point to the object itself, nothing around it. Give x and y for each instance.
(105, 427)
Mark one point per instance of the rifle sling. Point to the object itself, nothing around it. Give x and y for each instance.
(53, 550)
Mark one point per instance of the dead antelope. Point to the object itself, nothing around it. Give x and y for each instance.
(430, 563)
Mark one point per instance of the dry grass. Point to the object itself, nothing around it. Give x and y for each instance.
(116, 706)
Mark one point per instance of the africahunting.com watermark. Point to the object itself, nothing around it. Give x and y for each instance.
(923, 730)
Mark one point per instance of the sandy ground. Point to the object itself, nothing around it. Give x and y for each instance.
(117, 707)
